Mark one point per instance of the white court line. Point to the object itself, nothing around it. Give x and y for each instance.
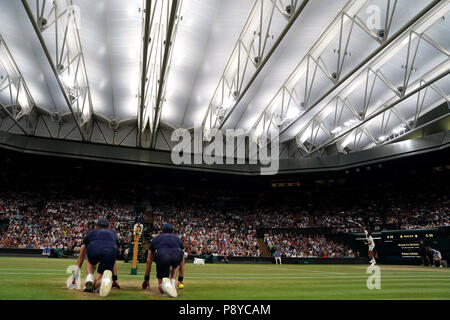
(31, 269)
(305, 270)
(391, 272)
(261, 266)
(219, 274)
(429, 277)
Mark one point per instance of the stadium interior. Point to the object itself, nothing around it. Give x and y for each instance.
(220, 217)
(344, 103)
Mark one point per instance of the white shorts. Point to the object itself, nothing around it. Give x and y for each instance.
(437, 257)
(371, 248)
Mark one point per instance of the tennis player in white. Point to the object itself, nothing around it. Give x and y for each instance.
(371, 244)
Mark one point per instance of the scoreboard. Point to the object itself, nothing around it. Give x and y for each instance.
(403, 245)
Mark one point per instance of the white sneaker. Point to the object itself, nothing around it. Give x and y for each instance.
(440, 266)
(168, 288)
(89, 283)
(106, 284)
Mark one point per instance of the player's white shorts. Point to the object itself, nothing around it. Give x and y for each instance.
(371, 248)
(437, 257)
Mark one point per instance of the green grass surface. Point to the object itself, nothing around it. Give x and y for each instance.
(44, 278)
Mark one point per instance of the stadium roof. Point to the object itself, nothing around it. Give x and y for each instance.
(332, 76)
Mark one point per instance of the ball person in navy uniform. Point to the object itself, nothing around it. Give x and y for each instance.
(101, 250)
(167, 251)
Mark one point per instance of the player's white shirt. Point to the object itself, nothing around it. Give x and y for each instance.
(370, 241)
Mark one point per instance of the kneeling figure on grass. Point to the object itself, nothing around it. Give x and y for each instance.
(167, 251)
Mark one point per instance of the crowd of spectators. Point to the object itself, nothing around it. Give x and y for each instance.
(211, 232)
(420, 210)
(216, 221)
(60, 224)
(295, 245)
(398, 209)
(4, 223)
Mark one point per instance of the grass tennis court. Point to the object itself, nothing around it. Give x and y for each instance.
(44, 278)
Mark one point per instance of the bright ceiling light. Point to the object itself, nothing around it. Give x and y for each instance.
(302, 138)
(228, 102)
(399, 130)
(350, 122)
(327, 111)
(67, 79)
(292, 113)
(132, 11)
(336, 130)
(131, 107)
(347, 141)
(257, 133)
(23, 99)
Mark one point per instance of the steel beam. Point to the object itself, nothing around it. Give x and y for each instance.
(158, 35)
(17, 90)
(337, 81)
(366, 60)
(235, 87)
(144, 62)
(163, 71)
(56, 65)
(16, 122)
(382, 110)
(365, 82)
